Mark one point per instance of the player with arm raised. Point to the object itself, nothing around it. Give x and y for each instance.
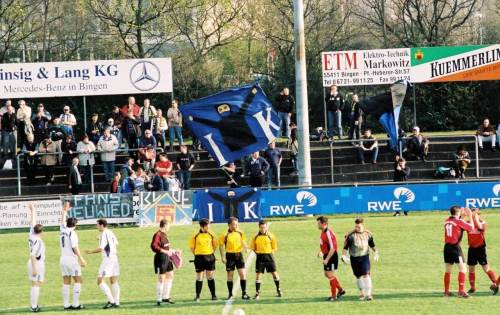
(36, 263)
(454, 227)
(477, 252)
(71, 260)
(358, 243)
(109, 267)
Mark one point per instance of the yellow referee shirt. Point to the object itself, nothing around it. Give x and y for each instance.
(203, 243)
(232, 241)
(264, 243)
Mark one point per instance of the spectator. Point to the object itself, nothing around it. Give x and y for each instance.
(68, 120)
(115, 184)
(131, 107)
(498, 138)
(418, 145)
(128, 184)
(113, 129)
(368, 145)
(117, 123)
(86, 149)
(461, 161)
(231, 173)
(401, 171)
(5, 107)
(40, 126)
(24, 125)
(8, 127)
(68, 150)
(334, 106)
(487, 133)
(131, 131)
(164, 168)
(147, 149)
(257, 168)
(285, 105)
(57, 133)
(42, 111)
(185, 164)
(48, 148)
(94, 129)
(107, 145)
(156, 183)
(74, 179)
(318, 134)
(160, 126)
(355, 119)
(30, 150)
(146, 115)
(174, 119)
(141, 181)
(274, 158)
(294, 148)
(127, 168)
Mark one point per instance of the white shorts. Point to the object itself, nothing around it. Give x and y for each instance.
(109, 267)
(40, 269)
(70, 266)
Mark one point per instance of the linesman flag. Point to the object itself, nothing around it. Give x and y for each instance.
(233, 123)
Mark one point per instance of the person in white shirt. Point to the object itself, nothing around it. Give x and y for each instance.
(68, 120)
(71, 261)
(36, 263)
(109, 266)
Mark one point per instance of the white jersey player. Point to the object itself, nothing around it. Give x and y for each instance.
(71, 261)
(36, 263)
(109, 266)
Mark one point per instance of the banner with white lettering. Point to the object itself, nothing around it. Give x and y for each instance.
(116, 208)
(16, 214)
(175, 206)
(79, 78)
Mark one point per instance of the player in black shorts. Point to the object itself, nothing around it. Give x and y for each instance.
(162, 264)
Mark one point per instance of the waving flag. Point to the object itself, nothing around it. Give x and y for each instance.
(233, 123)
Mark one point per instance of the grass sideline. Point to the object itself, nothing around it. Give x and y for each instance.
(407, 279)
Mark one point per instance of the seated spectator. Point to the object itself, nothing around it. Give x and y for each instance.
(160, 126)
(24, 126)
(146, 115)
(174, 120)
(68, 120)
(164, 167)
(74, 178)
(95, 128)
(147, 149)
(127, 168)
(231, 174)
(156, 183)
(141, 181)
(107, 145)
(486, 133)
(86, 149)
(117, 122)
(40, 126)
(115, 184)
(318, 134)
(185, 164)
(131, 131)
(48, 159)
(293, 145)
(68, 150)
(42, 111)
(368, 145)
(131, 107)
(30, 150)
(128, 184)
(418, 145)
(461, 161)
(257, 168)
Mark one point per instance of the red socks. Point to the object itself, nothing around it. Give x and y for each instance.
(472, 280)
(447, 276)
(461, 281)
(333, 286)
(492, 276)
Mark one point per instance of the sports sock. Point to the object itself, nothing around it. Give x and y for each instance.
(277, 283)
(333, 287)
(159, 291)
(257, 285)
(472, 280)
(461, 281)
(498, 281)
(368, 286)
(492, 276)
(167, 288)
(115, 288)
(77, 289)
(337, 283)
(211, 286)
(447, 277)
(230, 287)
(107, 292)
(243, 285)
(359, 284)
(65, 294)
(35, 292)
(199, 286)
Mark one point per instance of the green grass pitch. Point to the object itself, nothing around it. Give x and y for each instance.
(407, 279)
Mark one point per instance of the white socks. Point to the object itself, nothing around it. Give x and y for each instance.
(65, 294)
(35, 292)
(115, 287)
(367, 285)
(76, 294)
(359, 284)
(167, 288)
(159, 291)
(107, 292)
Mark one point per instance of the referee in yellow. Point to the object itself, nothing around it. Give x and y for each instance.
(203, 245)
(231, 246)
(264, 244)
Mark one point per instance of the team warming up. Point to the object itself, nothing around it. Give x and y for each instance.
(233, 247)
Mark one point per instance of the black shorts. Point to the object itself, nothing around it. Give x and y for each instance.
(204, 262)
(234, 261)
(162, 263)
(333, 263)
(265, 262)
(477, 256)
(453, 254)
(360, 265)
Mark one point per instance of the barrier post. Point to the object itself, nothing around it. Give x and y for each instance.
(476, 147)
(331, 160)
(18, 165)
(91, 174)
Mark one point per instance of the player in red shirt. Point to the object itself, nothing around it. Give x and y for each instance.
(328, 251)
(454, 227)
(477, 252)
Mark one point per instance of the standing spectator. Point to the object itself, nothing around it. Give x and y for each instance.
(294, 148)
(131, 131)
(113, 129)
(115, 184)
(401, 174)
(30, 150)
(42, 111)
(68, 150)
(285, 104)
(74, 179)
(174, 119)
(147, 149)
(146, 115)
(86, 149)
(107, 145)
(418, 145)
(24, 126)
(127, 168)
(487, 133)
(117, 122)
(57, 133)
(231, 173)
(156, 183)
(8, 127)
(334, 106)
(131, 106)
(164, 168)
(94, 129)
(5, 107)
(185, 164)
(274, 158)
(257, 168)
(48, 148)
(461, 161)
(128, 184)
(355, 119)
(160, 126)
(40, 124)
(68, 120)
(368, 145)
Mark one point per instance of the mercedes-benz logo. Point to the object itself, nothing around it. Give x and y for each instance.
(144, 75)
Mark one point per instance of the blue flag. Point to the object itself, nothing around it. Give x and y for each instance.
(233, 123)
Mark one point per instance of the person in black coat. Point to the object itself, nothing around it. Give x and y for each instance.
(285, 105)
(334, 106)
(156, 183)
(355, 115)
(401, 171)
(257, 168)
(75, 178)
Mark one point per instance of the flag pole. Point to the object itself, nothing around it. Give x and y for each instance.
(304, 156)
